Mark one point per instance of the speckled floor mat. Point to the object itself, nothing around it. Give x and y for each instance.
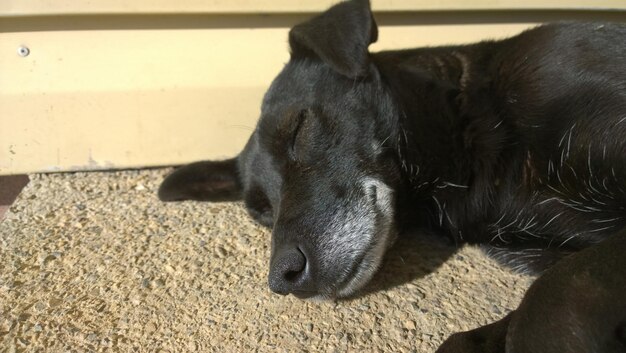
(94, 262)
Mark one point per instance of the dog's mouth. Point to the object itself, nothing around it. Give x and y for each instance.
(357, 276)
(302, 294)
(343, 252)
(365, 268)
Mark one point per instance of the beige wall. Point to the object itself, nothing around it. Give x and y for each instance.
(118, 84)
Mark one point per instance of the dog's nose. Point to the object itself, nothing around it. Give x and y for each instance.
(289, 273)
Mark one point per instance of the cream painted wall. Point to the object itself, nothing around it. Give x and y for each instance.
(102, 92)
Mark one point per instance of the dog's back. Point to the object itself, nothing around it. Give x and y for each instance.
(537, 124)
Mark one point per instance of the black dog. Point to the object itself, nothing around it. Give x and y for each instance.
(519, 145)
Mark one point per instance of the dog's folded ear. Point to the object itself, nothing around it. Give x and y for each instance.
(203, 181)
(339, 36)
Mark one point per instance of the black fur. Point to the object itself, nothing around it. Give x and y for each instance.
(518, 145)
(495, 118)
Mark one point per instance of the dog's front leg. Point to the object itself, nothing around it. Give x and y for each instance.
(577, 306)
(487, 339)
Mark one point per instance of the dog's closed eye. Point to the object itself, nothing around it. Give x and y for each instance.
(300, 119)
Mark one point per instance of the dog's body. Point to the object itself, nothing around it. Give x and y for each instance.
(519, 145)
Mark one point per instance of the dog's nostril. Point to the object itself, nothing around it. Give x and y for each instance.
(292, 276)
(295, 265)
(288, 271)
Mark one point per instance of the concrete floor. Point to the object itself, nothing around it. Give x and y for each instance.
(94, 262)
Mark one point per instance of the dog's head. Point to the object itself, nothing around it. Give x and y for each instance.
(320, 167)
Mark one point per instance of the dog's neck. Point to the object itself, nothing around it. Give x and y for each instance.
(447, 148)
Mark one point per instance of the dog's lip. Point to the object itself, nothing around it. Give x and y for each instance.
(303, 294)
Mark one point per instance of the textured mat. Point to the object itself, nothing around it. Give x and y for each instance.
(93, 261)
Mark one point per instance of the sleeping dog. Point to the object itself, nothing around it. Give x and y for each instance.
(518, 145)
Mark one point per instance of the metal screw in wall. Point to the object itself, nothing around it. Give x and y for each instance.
(23, 51)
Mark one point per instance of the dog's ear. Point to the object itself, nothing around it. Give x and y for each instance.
(203, 181)
(340, 37)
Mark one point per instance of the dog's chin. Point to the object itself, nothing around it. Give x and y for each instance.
(370, 264)
(364, 273)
